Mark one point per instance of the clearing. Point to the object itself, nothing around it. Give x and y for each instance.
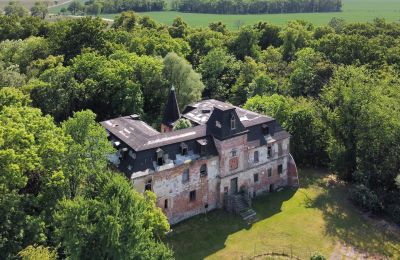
(316, 217)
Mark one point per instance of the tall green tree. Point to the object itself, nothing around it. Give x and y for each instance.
(187, 82)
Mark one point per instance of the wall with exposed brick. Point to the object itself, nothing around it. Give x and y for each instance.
(169, 185)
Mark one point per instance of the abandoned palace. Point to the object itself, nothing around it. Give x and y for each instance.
(228, 152)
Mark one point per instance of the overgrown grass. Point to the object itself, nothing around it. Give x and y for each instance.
(313, 218)
(353, 11)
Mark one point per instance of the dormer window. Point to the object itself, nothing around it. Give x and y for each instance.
(184, 149)
(160, 156)
(233, 122)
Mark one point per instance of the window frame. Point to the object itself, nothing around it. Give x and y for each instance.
(233, 121)
(256, 178)
(256, 156)
(192, 195)
(280, 169)
(203, 170)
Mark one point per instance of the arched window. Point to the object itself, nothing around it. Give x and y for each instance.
(233, 122)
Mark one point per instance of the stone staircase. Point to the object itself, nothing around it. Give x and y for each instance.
(241, 207)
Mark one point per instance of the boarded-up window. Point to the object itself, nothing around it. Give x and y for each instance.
(280, 151)
(233, 163)
(185, 176)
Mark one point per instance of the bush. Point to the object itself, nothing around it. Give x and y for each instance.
(365, 198)
(317, 256)
(394, 212)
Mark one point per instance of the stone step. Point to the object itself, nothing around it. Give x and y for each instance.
(248, 214)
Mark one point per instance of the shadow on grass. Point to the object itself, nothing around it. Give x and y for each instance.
(203, 235)
(346, 223)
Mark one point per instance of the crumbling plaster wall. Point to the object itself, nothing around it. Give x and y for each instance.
(169, 185)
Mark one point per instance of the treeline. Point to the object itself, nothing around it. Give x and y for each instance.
(335, 88)
(257, 6)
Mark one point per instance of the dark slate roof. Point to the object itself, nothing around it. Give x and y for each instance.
(140, 136)
(211, 118)
(171, 111)
(200, 112)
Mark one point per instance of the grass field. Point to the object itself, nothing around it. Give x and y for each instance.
(317, 217)
(353, 11)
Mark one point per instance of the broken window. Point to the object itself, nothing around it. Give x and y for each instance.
(203, 145)
(184, 149)
(233, 122)
(160, 157)
(185, 176)
(269, 172)
(256, 159)
(192, 195)
(265, 129)
(269, 154)
(165, 203)
(233, 153)
(256, 177)
(280, 152)
(203, 170)
(280, 169)
(147, 186)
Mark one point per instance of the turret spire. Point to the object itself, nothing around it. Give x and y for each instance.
(171, 112)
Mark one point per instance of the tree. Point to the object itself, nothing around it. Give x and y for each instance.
(301, 118)
(37, 253)
(75, 7)
(15, 8)
(87, 152)
(40, 9)
(12, 97)
(187, 82)
(113, 222)
(182, 123)
(126, 20)
(245, 44)
(179, 28)
(295, 35)
(219, 71)
(311, 71)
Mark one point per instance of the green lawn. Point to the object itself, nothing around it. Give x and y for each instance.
(353, 11)
(313, 218)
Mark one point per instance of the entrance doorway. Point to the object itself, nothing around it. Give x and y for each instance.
(234, 185)
(271, 187)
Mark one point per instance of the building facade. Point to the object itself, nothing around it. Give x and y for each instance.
(227, 151)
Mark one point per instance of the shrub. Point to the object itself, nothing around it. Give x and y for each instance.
(394, 212)
(365, 198)
(317, 256)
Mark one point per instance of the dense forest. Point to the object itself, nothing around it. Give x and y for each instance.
(335, 88)
(206, 6)
(257, 6)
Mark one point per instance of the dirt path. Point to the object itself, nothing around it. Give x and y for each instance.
(343, 251)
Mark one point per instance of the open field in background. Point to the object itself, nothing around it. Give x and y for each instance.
(316, 217)
(30, 3)
(353, 11)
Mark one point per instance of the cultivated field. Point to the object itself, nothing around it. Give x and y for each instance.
(317, 217)
(353, 11)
